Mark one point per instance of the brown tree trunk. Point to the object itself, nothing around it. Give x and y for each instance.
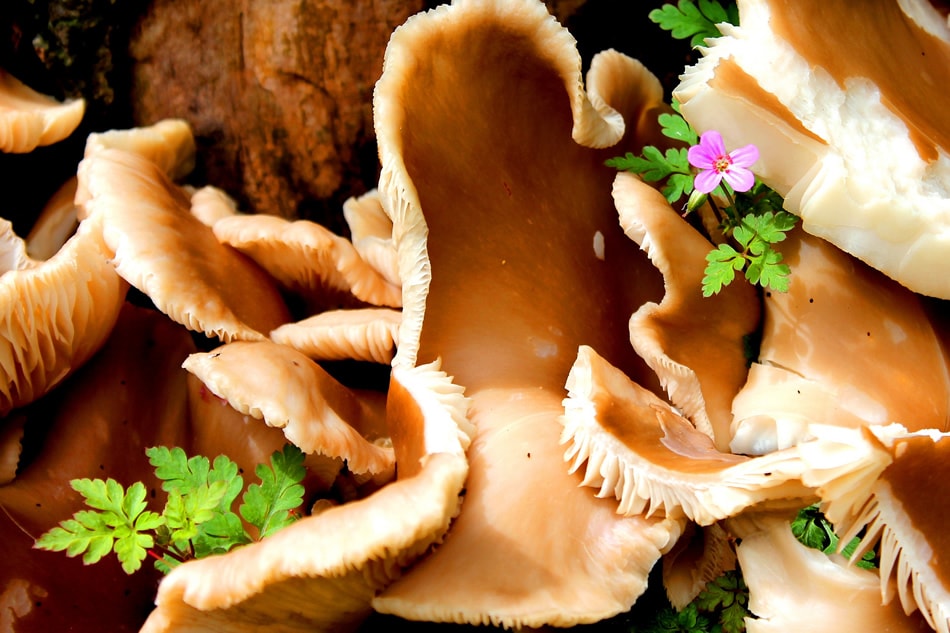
(279, 93)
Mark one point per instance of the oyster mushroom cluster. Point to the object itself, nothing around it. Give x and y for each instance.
(564, 411)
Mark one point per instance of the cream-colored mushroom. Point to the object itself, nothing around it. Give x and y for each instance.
(56, 313)
(368, 334)
(844, 346)
(287, 390)
(894, 507)
(307, 258)
(510, 255)
(29, 119)
(848, 117)
(371, 232)
(161, 249)
(796, 588)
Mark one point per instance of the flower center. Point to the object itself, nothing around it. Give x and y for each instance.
(722, 164)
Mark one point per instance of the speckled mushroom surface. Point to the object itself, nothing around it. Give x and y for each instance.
(846, 107)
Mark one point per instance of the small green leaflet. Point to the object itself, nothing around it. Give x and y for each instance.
(119, 525)
(268, 506)
(654, 165)
(813, 530)
(687, 20)
(197, 519)
(762, 264)
(721, 608)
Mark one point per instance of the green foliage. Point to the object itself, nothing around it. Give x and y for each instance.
(754, 220)
(197, 519)
(687, 20)
(118, 525)
(721, 608)
(813, 530)
(654, 165)
(755, 235)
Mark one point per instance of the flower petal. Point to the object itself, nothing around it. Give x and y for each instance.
(707, 180)
(739, 178)
(701, 157)
(712, 141)
(744, 156)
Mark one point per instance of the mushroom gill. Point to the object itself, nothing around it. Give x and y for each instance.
(56, 313)
(206, 286)
(846, 108)
(511, 256)
(845, 346)
(29, 119)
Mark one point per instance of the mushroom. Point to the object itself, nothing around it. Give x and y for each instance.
(371, 232)
(510, 255)
(322, 572)
(893, 506)
(796, 588)
(368, 334)
(848, 116)
(838, 310)
(307, 259)
(29, 119)
(696, 345)
(56, 313)
(287, 390)
(130, 395)
(206, 286)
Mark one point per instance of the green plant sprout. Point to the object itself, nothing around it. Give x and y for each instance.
(687, 20)
(197, 519)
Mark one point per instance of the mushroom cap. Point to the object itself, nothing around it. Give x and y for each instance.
(633, 446)
(322, 572)
(371, 232)
(289, 391)
(306, 258)
(56, 314)
(29, 119)
(795, 588)
(209, 204)
(512, 560)
(858, 145)
(895, 507)
(169, 143)
(510, 255)
(56, 222)
(695, 344)
(361, 334)
(207, 286)
(838, 310)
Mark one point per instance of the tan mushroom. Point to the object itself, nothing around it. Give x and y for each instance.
(368, 334)
(838, 310)
(893, 507)
(204, 285)
(695, 344)
(29, 119)
(287, 390)
(510, 255)
(322, 572)
(371, 232)
(56, 313)
(848, 117)
(796, 588)
(307, 258)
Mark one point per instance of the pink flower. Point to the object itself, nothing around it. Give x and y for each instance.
(710, 156)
